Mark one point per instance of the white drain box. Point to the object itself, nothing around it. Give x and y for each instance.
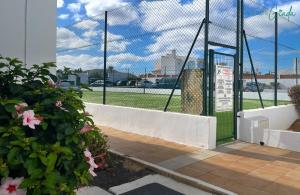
(253, 128)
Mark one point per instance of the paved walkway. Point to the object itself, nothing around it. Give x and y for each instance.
(239, 167)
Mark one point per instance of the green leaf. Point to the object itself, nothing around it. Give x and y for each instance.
(28, 183)
(10, 108)
(12, 156)
(51, 160)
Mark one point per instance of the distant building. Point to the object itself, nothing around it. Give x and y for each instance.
(83, 78)
(171, 64)
(72, 79)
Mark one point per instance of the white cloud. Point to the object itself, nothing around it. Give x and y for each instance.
(115, 43)
(63, 16)
(83, 61)
(126, 66)
(74, 7)
(123, 58)
(176, 25)
(77, 17)
(67, 39)
(90, 34)
(60, 3)
(121, 12)
(252, 3)
(262, 26)
(87, 24)
(86, 61)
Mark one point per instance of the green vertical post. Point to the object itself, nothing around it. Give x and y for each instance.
(276, 59)
(236, 72)
(296, 63)
(242, 57)
(205, 72)
(211, 83)
(105, 56)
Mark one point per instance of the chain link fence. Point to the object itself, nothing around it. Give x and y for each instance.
(149, 42)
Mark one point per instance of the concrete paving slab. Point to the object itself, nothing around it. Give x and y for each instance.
(187, 159)
(92, 190)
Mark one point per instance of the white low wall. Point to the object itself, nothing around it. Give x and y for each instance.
(269, 126)
(280, 117)
(191, 130)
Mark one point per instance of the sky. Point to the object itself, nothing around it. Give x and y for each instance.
(140, 32)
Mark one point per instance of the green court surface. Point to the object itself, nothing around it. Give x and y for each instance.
(158, 102)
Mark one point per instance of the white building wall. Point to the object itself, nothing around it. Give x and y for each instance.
(34, 42)
(283, 83)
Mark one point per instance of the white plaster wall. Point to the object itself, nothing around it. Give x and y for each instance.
(281, 139)
(191, 130)
(280, 117)
(284, 83)
(40, 30)
(274, 134)
(12, 28)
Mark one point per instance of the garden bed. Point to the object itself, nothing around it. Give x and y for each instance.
(119, 171)
(295, 126)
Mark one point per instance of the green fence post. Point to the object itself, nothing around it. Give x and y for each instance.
(211, 83)
(104, 56)
(276, 58)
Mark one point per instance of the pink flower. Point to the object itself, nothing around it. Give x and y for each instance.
(20, 108)
(30, 120)
(91, 162)
(58, 104)
(51, 83)
(86, 128)
(10, 186)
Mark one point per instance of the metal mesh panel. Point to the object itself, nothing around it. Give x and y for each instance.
(260, 34)
(79, 50)
(148, 42)
(146, 57)
(288, 56)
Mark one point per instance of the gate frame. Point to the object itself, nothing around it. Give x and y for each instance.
(236, 91)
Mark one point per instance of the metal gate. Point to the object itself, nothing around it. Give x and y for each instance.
(223, 93)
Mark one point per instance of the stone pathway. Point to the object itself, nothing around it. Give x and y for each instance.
(239, 167)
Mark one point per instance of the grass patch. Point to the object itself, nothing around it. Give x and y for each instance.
(158, 102)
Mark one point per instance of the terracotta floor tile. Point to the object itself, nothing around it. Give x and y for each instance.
(244, 190)
(152, 158)
(214, 179)
(192, 172)
(242, 167)
(267, 175)
(295, 174)
(218, 162)
(289, 165)
(253, 162)
(252, 169)
(250, 181)
(279, 189)
(227, 173)
(288, 182)
(293, 155)
(203, 165)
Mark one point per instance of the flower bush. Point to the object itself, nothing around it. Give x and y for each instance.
(47, 140)
(294, 93)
